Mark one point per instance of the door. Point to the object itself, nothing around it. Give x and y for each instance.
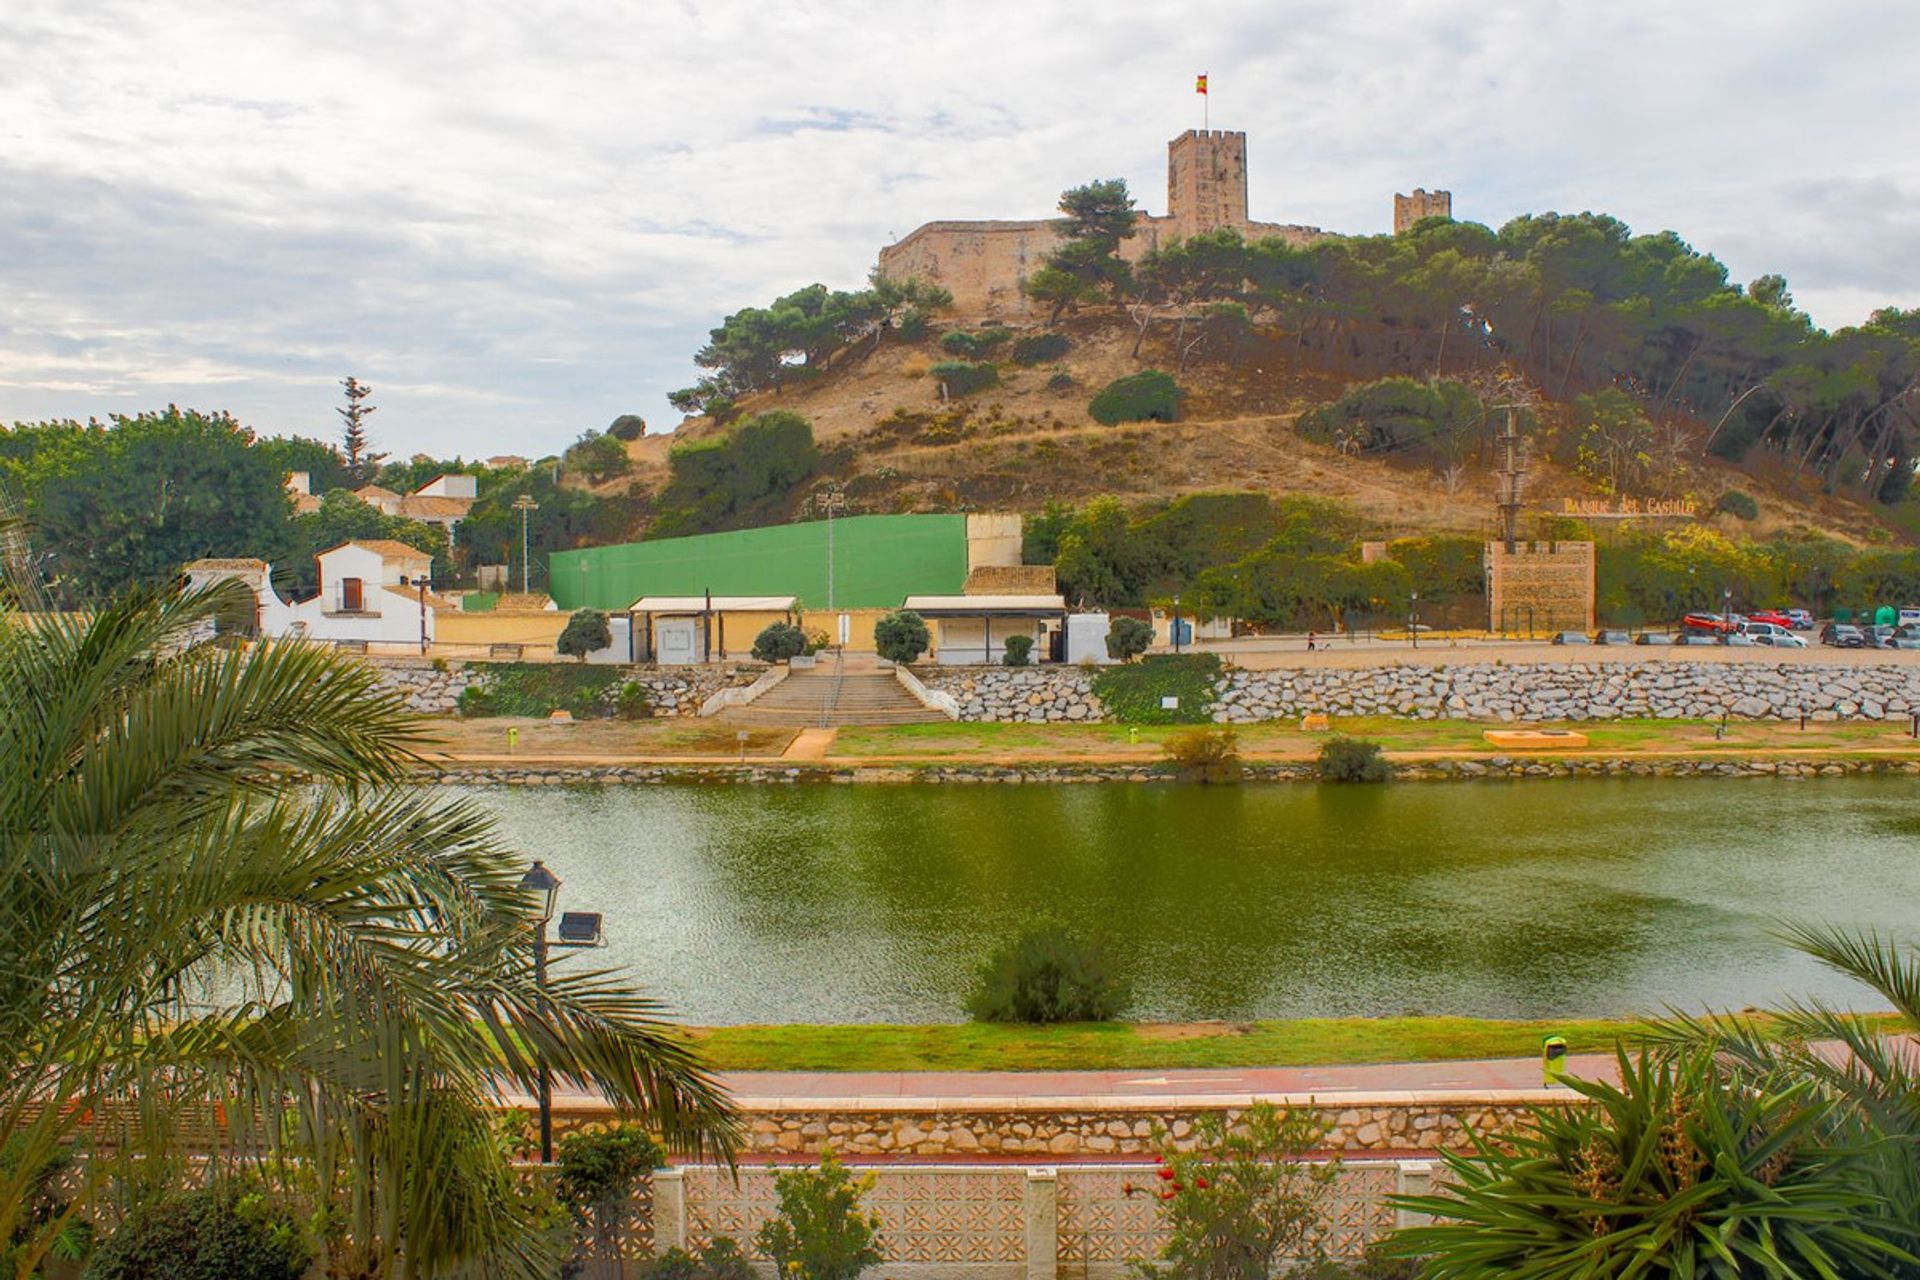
(846, 629)
(679, 641)
(351, 598)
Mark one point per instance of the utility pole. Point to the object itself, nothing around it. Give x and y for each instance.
(832, 501)
(526, 506)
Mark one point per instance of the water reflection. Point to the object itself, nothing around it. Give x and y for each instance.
(829, 904)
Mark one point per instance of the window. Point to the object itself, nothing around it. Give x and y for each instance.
(352, 600)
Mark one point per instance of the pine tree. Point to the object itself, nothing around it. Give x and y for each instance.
(362, 463)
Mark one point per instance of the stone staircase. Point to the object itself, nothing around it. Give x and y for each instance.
(831, 696)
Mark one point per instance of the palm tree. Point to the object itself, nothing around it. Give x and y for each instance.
(233, 929)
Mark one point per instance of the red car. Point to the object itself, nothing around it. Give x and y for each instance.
(1775, 616)
(1711, 622)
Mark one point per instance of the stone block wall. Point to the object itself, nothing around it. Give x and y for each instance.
(1032, 695)
(435, 689)
(1650, 688)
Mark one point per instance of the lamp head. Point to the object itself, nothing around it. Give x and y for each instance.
(543, 883)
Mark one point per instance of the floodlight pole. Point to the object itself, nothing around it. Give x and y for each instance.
(832, 500)
(525, 505)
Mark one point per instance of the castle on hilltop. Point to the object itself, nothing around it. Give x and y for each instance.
(982, 263)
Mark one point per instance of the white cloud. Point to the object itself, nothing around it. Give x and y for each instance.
(518, 221)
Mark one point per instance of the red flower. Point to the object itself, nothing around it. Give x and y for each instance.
(1200, 1183)
(1166, 1175)
(1128, 1189)
(1159, 1159)
(1166, 1195)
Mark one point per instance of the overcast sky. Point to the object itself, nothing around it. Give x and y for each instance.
(517, 221)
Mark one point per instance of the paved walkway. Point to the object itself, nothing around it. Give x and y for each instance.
(786, 1089)
(810, 744)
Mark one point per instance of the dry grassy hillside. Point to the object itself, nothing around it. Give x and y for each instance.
(894, 446)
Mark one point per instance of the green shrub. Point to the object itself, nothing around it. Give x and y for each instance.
(1019, 651)
(1062, 381)
(901, 636)
(46, 1198)
(1128, 638)
(963, 378)
(1132, 694)
(820, 1231)
(1439, 419)
(586, 632)
(778, 642)
(1684, 1169)
(1147, 396)
(205, 1235)
(1243, 1202)
(720, 1260)
(1040, 348)
(632, 703)
(977, 345)
(599, 1170)
(628, 426)
(1353, 760)
(1205, 755)
(1739, 505)
(1046, 975)
(535, 688)
(738, 477)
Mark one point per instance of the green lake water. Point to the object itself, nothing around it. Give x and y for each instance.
(1534, 899)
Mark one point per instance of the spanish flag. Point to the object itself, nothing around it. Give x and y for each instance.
(1200, 84)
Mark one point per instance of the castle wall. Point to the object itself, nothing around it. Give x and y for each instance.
(1408, 210)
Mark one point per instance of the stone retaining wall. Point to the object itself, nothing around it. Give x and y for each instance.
(1493, 691)
(433, 687)
(1495, 767)
(1026, 695)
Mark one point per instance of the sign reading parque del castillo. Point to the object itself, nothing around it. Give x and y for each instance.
(1628, 508)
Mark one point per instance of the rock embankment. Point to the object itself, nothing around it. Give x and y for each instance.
(1576, 691)
(1061, 695)
(433, 687)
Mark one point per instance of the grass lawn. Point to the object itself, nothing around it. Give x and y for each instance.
(1071, 741)
(1097, 1046)
(487, 736)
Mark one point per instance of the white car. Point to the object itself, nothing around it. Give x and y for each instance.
(1778, 639)
(1759, 629)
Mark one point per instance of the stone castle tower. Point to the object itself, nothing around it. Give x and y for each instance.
(1207, 181)
(1408, 210)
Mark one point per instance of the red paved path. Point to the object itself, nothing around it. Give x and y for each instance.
(1487, 1075)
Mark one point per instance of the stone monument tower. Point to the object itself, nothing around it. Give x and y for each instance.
(1408, 210)
(1206, 181)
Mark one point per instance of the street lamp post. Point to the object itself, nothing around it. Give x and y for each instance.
(833, 501)
(1175, 628)
(539, 880)
(1413, 619)
(526, 506)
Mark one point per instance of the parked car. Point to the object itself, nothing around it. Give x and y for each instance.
(1612, 637)
(1799, 619)
(1773, 616)
(1712, 623)
(1781, 640)
(1843, 635)
(1882, 636)
(1754, 626)
(1570, 637)
(1740, 638)
(1654, 637)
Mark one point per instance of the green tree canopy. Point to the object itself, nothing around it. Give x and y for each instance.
(737, 478)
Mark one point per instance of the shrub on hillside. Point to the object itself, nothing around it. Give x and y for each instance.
(1739, 505)
(1396, 415)
(1019, 651)
(963, 378)
(1128, 638)
(778, 642)
(1047, 975)
(1353, 760)
(1039, 348)
(736, 478)
(586, 632)
(1205, 755)
(227, 1233)
(599, 1170)
(1147, 396)
(628, 426)
(977, 345)
(901, 636)
(1062, 381)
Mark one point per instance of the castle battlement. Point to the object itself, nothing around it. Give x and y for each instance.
(982, 262)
